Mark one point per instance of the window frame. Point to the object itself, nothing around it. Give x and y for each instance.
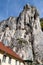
(4, 58)
(9, 61)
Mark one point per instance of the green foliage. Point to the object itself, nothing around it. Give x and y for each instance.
(41, 22)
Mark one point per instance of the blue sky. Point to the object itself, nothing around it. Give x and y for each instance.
(14, 7)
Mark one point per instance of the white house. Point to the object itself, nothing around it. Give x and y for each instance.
(9, 57)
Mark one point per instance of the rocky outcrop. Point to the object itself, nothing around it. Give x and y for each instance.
(23, 34)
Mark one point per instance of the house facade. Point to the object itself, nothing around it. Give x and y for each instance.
(9, 57)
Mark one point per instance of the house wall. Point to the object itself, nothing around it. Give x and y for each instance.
(13, 61)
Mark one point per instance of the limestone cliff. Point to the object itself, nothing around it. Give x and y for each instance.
(23, 34)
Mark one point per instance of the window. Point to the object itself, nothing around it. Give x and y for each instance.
(4, 58)
(0, 61)
(9, 60)
(16, 62)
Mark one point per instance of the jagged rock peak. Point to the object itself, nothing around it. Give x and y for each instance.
(27, 6)
(11, 17)
(19, 32)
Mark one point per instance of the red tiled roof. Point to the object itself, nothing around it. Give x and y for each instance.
(9, 51)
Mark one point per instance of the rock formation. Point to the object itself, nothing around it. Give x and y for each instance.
(23, 34)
